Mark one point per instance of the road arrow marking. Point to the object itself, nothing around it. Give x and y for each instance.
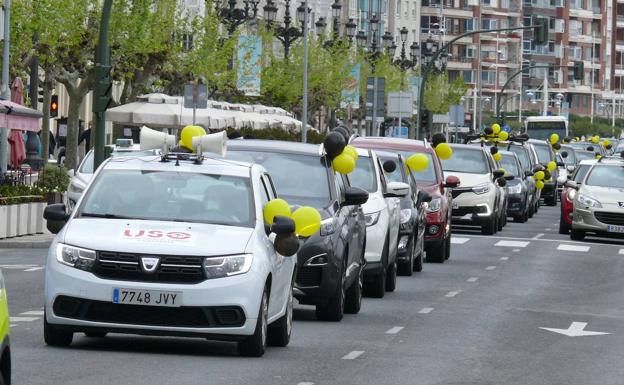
(621, 251)
(576, 329)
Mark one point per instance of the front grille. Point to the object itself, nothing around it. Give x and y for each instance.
(185, 316)
(610, 218)
(309, 276)
(171, 268)
(458, 191)
(461, 211)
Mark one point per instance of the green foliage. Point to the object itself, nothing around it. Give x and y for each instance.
(278, 134)
(581, 125)
(12, 195)
(440, 94)
(53, 179)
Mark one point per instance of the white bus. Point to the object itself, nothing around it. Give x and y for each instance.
(541, 127)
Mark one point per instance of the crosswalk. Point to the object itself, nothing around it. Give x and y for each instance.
(26, 317)
(518, 243)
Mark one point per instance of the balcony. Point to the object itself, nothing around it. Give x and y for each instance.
(460, 63)
(619, 45)
(585, 13)
(619, 22)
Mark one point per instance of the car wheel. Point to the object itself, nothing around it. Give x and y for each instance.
(448, 248)
(490, 227)
(334, 309)
(377, 288)
(279, 331)
(577, 235)
(551, 201)
(531, 210)
(500, 224)
(406, 268)
(55, 337)
(353, 300)
(391, 277)
(525, 217)
(564, 228)
(255, 344)
(96, 334)
(418, 261)
(437, 255)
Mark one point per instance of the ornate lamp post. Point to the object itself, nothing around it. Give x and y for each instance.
(287, 34)
(336, 13)
(233, 17)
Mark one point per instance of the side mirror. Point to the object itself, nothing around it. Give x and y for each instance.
(56, 216)
(502, 182)
(283, 225)
(528, 173)
(423, 197)
(571, 184)
(498, 174)
(397, 190)
(389, 166)
(451, 182)
(509, 177)
(570, 169)
(71, 173)
(355, 196)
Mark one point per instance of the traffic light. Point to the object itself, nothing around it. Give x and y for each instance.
(54, 106)
(40, 95)
(103, 95)
(579, 70)
(526, 67)
(540, 31)
(425, 119)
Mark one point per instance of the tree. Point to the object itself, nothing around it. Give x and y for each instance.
(440, 94)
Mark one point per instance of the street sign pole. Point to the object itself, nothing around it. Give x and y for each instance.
(101, 72)
(374, 120)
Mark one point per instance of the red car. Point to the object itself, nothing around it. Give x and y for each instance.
(567, 196)
(431, 180)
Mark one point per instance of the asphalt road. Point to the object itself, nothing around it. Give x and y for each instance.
(476, 319)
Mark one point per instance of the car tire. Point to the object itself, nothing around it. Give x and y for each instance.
(564, 228)
(377, 288)
(418, 261)
(333, 310)
(438, 255)
(96, 334)
(448, 248)
(55, 337)
(490, 227)
(353, 299)
(255, 344)
(391, 277)
(577, 235)
(279, 331)
(551, 201)
(406, 268)
(500, 224)
(531, 210)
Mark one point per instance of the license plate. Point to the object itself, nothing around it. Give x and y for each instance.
(615, 229)
(455, 205)
(147, 297)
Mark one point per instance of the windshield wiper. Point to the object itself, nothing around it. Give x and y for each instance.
(107, 215)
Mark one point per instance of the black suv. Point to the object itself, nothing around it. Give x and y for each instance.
(329, 263)
(545, 154)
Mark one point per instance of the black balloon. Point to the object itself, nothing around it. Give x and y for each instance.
(389, 166)
(488, 131)
(334, 144)
(564, 154)
(437, 139)
(344, 132)
(538, 167)
(590, 148)
(567, 139)
(609, 146)
(493, 150)
(286, 244)
(501, 182)
(557, 146)
(547, 175)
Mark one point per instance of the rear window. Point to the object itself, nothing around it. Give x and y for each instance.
(584, 155)
(510, 165)
(544, 155)
(523, 156)
(580, 173)
(466, 160)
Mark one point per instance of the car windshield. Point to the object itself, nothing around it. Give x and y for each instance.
(580, 172)
(397, 175)
(543, 153)
(87, 164)
(606, 176)
(510, 165)
(299, 179)
(584, 155)
(364, 174)
(170, 196)
(471, 161)
(523, 156)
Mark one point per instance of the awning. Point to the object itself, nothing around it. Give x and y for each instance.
(18, 117)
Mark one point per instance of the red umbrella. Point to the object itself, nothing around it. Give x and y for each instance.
(16, 140)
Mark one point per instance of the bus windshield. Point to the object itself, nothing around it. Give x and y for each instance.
(544, 129)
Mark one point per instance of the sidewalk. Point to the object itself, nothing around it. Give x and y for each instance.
(37, 241)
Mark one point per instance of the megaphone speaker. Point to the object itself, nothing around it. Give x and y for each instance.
(214, 143)
(152, 139)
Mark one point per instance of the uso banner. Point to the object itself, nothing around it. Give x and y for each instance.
(249, 65)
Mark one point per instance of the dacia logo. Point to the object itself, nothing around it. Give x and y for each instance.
(621, 204)
(149, 264)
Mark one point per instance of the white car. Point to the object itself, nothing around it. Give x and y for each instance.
(170, 247)
(382, 212)
(84, 172)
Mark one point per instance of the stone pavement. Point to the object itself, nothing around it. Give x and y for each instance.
(36, 241)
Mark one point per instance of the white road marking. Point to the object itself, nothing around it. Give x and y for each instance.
(515, 250)
(504, 258)
(18, 266)
(425, 310)
(452, 294)
(622, 251)
(490, 268)
(306, 383)
(459, 241)
(33, 312)
(548, 229)
(24, 319)
(35, 268)
(353, 355)
(538, 236)
(473, 279)
(540, 239)
(576, 329)
(512, 244)
(394, 330)
(12, 325)
(564, 247)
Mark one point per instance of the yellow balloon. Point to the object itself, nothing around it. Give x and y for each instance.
(273, 208)
(498, 156)
(417, 162)
(551, 166)
(595, 139)
(307, 221)
(188, 133)
(554, 138)
(496, 128)
(539, 184)
(344, 163)
(598, 156)
(539, 175)
(606, 142)
(351, 151)
(444, 151)
(503, 135)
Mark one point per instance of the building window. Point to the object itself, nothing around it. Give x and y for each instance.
(469, 76)
(488, 77)
(427, 23)
(527, 46)
(414, 8)
(488, 23)
(526, 21)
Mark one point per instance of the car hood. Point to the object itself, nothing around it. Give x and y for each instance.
(469, 180)
(604, 195)
(135, 236)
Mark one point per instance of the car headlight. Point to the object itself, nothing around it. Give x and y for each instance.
(328, 226)
(571, 194)
(481, 188)
(588, 201)
(406, 215)
(434, 205)
(227, 266)
(77, 257)
(515, 189)
(372, 218)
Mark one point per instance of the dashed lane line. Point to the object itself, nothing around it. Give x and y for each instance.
(490, 268)
(504, 258)
(473, 279)
(353, 355)
(452, 294)
(621, 251)
(538, 236)
(35, 268)
(33, 313)
(515, 250)
(564, 247)
(548, 229)
(459, 241)
(394, 330)
(306, 383)
(543, 240)
(23, 319)
(512, 244)
(425, 310)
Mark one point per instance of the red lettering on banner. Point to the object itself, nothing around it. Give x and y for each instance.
(155, 234)
(128, 233)
(178, 235)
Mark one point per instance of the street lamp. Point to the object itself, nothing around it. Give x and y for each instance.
(336, 13)
(388, 42)
(320, 26)
(351, 27)
(233, 17)
(287, 34)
